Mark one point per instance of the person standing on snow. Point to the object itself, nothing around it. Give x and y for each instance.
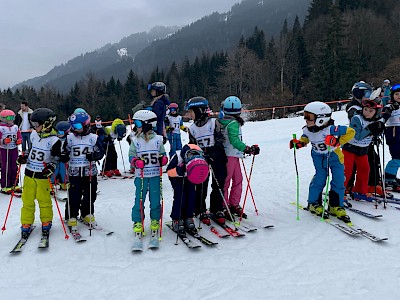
(23, 121)
(326, 139)
(234, 148)
(174, 125)
(159, 104)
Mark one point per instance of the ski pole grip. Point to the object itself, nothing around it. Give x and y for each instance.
(294, 135)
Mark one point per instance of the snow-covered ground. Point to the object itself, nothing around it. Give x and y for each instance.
(305, 259)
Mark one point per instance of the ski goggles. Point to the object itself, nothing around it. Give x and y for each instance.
(367, 94)
(61, 132)
(138, 123)
(309, 116)
(77, 126)
(9, 118)
(370, 103)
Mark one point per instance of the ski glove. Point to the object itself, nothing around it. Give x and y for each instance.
(163, 160)
(49, 169)
(330, 140)
(252, 150)
(138, 163)
(19, 142)
(296, 142)
(393, 106)
(6, 141)
(376, 128)
(22, 159)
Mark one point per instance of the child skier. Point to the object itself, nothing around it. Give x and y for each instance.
(147, 155)
(174, 125)
(10, 138)
(366, 125)
(206, 132)
(234, 148)
(40, 165)
(116, 131)
(320, 131)
(62, 128)
(186, 169)
(158, 104)
(391, 113)
(84, 149)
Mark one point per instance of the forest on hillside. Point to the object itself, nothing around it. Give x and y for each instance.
(338, 44)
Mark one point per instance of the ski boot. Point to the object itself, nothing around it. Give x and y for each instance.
(89, 220)
(46, 228)
(340, 213)
(204, 217)
(219, 218)
(108, 174)
(25, 230)
(154, 225)
(363, 197)
(228, 215)
(189, 225)
(179, 227)
(316, 209)
(6, 190)
(17, 189)
(238, 210)
(137, 227)
(72, 224)
(116, 172)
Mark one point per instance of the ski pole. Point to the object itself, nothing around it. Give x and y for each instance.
(122, 156)
(381, 175)
(141, 200)
(58, 207)
(90, 199)
(327, 183)
(11, 198)
(383, 171)
(104, 162)
(223, 198)
(297, 181)
(248, 188)
(162, 203)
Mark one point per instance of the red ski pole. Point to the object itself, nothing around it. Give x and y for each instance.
(58, 207)
(11, 198)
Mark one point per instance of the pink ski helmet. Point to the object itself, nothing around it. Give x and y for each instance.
(197, 168)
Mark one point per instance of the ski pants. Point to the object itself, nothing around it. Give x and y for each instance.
(81, 196)
(234, 175)
(321, 174)
(174, 142)
(218, 167)
(362, 174)
(38, 189)
(142, 185)
(184, 198)
(110, 162)
(9, 167)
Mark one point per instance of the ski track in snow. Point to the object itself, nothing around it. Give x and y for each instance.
(303, 259)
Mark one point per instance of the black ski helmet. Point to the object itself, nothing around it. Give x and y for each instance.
(45, 117)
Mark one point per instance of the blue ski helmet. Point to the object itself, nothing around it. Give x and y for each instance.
(232, 105)
(80, 120)
(199, 105)
(79, 109)
(63, 127)
(361, 90)
(395, 88)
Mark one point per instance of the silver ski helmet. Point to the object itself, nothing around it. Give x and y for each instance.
(145, 119)
(320, 110)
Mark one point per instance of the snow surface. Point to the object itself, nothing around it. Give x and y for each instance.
(304, 259)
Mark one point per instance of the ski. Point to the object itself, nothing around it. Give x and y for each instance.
(243, 227)
(269, 226)
(199, 237)
(44, 241)
(21, 243)
(77, 236)
(96, 227)
(230, 230)
(362, 213)
(346, 229)
(154, 240)
(137, 245)
(188, 242)
(214, 230)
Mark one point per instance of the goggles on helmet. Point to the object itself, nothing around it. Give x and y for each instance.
(61, 132)
(370, 103)
(77, 126)
(9, 118)
(309, 116)
(367, 94)
(138, 123)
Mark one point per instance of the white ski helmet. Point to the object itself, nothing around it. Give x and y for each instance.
(145, 117)
(321, 110)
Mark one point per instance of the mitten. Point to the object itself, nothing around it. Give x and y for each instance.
(296, 142)
(22, 159)
(49, 169)
(254, 150)
(138, 163)
(163, 160)
(6, 141)
(19, 142)
(376, 128)
(330, 140)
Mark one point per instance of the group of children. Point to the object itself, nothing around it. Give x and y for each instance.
(214, 150)
(348, 151)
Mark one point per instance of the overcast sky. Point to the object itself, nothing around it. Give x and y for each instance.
(36, 35)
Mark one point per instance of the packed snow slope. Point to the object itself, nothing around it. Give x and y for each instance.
(298, 259)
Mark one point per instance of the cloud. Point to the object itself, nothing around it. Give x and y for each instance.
(37, 35)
